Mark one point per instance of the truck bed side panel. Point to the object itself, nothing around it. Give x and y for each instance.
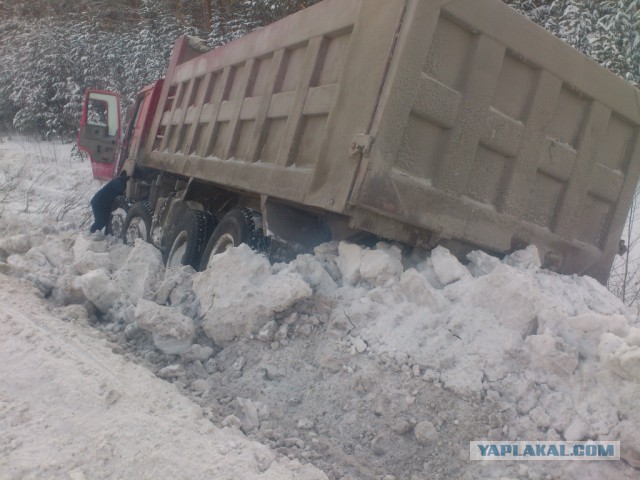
(274, 112)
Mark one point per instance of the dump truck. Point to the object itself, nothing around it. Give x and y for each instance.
(423, 122)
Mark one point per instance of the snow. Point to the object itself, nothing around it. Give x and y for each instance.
(351, 363)
(241, 292)
(73, 409)
(173, 333)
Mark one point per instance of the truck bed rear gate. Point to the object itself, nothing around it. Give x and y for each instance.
(493, 132)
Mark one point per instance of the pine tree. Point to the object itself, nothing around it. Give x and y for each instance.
(606, 30)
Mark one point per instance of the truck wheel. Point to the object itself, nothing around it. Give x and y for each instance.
(235, 228)
(189, 239)
(138, 223)
(117, 217)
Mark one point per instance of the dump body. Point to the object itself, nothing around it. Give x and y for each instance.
(420, 121)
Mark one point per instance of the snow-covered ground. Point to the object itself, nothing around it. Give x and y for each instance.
(351, 363)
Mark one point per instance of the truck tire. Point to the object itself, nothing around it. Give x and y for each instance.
(235, 228)
(138, 223)
(189, 239)
(118, 215)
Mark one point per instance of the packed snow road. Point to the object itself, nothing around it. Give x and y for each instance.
(71, 408)
(362, 363)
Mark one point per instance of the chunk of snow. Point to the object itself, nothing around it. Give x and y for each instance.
(141, 272)
(314, 274)
(446, 266)
(247, 413)
(481, 263)
(20, 243)
(526, 259)
(553, 354)
(93, 261)
(349, 261)
(173, 333)
(100, 290)
(418, 290)
(238, 294)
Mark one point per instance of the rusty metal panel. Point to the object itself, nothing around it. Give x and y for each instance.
(273, 112)
(493, 132)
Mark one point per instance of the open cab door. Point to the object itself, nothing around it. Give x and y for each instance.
(99, 133)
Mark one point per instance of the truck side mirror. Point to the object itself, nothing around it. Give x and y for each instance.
(99, 133)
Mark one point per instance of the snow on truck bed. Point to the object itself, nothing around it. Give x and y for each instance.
(351, 363)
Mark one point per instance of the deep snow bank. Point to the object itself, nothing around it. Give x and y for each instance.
(70, 408)
(537, 356)
(364, 362)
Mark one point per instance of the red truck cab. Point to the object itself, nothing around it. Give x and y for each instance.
(100, 133)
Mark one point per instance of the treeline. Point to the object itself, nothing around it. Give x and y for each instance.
(606, 30)
(51, 50)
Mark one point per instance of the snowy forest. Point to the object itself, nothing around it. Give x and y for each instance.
(51, 50)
